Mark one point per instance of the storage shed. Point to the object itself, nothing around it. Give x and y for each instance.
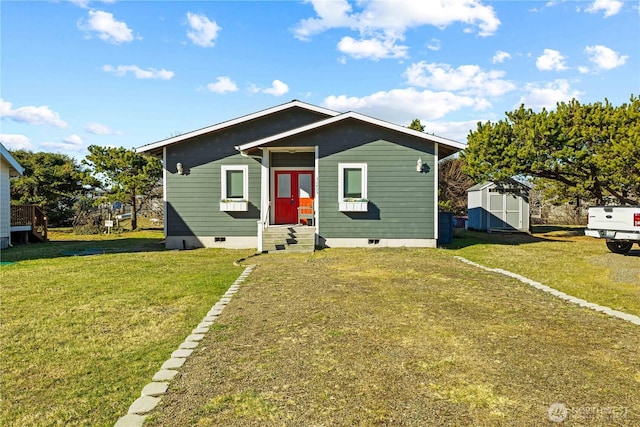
(499, 206)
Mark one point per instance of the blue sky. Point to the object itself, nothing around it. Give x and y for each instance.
(128, 73)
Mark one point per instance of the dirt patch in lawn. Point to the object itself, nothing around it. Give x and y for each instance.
(401, 337)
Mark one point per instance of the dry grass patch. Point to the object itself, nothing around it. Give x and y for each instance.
(406, 337)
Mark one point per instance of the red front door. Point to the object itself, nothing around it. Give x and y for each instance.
(292, 188)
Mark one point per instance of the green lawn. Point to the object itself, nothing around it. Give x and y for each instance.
(358, 337)
(563, 258)
(81, 335)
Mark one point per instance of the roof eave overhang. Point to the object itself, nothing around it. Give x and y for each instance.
(451, 146)
(15, 169)
(155, 148)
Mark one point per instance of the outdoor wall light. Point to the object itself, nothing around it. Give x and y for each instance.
(419, 165)
(180, 168)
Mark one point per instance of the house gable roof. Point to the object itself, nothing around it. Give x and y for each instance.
(156, 147)
(14, 167)
(451, 146)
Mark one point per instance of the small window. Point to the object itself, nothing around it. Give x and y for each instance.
(352, 181)
(235, 182)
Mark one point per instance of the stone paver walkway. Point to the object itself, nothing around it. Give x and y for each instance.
(150, 396)
(582, 303)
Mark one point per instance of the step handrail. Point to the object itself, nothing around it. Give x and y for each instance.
(262, 224)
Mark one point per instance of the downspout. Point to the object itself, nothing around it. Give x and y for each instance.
(436, 221)
(164, 190)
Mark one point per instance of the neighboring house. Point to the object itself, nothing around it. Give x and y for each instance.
(499, 206)
(350, 179)
(8, 167)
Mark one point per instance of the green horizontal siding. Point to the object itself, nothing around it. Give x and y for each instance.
(401, 200)
(193, 199)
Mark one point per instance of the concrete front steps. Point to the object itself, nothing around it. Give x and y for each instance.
(289, 238)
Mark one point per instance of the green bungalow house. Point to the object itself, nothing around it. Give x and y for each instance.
(296, 176)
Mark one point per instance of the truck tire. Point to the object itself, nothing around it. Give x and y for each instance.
(619, 247)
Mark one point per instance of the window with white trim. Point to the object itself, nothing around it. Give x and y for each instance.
(235, 182)
(352, 181)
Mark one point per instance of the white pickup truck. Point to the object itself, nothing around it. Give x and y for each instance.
(620, 225)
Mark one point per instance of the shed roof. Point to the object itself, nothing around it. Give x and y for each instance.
(15, 168)
(510, 181)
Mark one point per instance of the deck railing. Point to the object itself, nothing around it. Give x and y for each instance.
(30, 216)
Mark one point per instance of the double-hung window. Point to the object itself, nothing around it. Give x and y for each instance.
(234, 188)
(352, 186)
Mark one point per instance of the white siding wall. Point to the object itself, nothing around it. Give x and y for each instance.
(5, 203)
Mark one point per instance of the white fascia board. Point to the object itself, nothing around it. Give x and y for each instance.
(233, 122)
(13, 163)
(357, 116)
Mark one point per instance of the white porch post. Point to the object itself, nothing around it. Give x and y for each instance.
(316, 201)
(264, 196)
(436, 219)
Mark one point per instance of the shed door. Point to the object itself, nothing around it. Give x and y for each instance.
(504, 211)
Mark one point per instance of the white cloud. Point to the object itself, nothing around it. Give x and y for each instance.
(70, 143)
(500, 56)
(99, 129)
(604, 57)
(15, 142)
(385, 22)
(203, 32)
(81, 3)
(399, 104)
(151, 73)
(610, 7)
(331, 14)
(551, 60)
(277, 88)
(108, 28)
(31, 115)
(466, 79)
(222, 85)
(583, 70)
(397, 16)
(434, 45)
(63, 146)
(85, 3)
(73, 139)
(372, 48)
(547, 95)
(458, 131)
